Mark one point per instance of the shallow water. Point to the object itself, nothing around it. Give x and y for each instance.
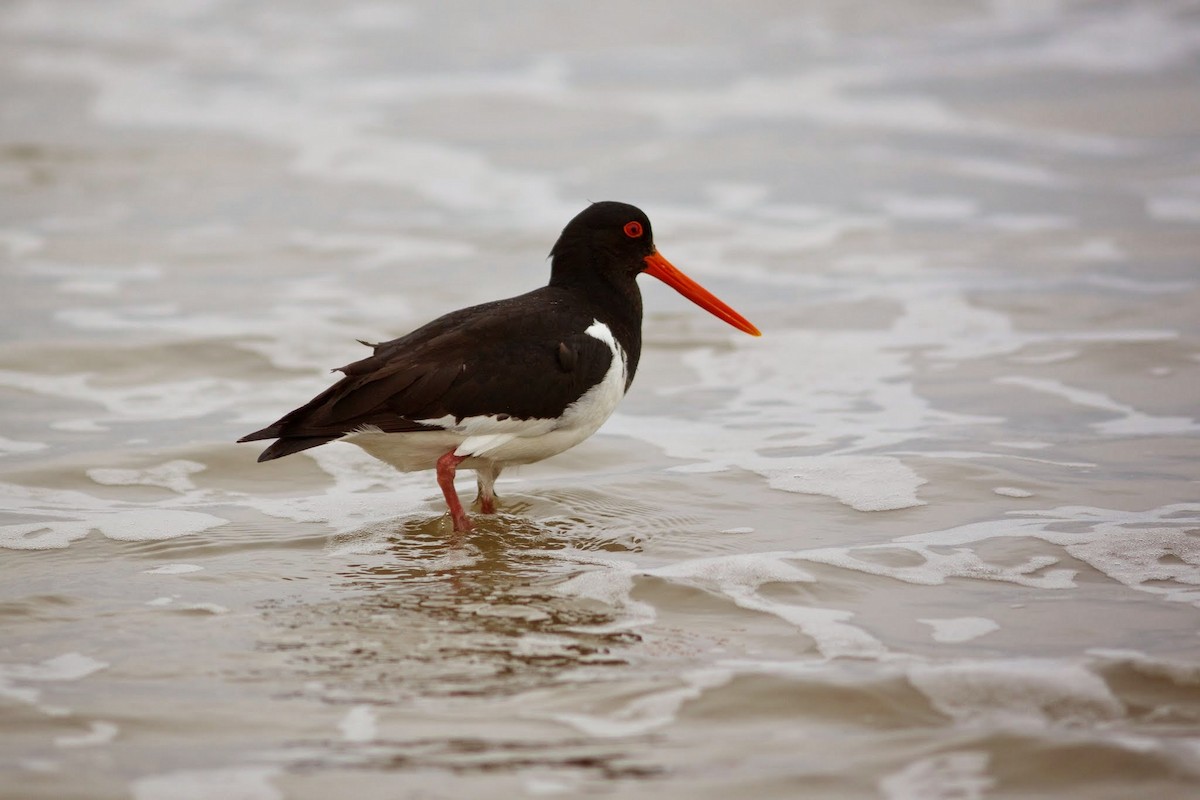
(935, 535)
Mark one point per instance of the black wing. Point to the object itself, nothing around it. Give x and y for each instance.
(526, 357)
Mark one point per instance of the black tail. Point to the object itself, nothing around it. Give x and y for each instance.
(291, 444)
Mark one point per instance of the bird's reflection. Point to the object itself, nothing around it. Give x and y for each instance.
(432, 612)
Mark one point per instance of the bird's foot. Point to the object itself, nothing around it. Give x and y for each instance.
(462, 523)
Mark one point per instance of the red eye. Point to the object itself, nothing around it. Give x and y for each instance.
(633, 229)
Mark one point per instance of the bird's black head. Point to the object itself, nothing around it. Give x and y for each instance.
(609, 238)
(605, 248)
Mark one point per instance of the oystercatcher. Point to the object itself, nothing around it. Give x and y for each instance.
(508, 382)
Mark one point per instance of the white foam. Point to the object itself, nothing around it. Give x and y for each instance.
(165, 400)
(1174, 209)
(960, 629)
(134, 525)
(1002, 171)
(829, 628)
(78, 426)
(1017, 691)
(1028, 223)
(611, 584)
(8, 446)
(802, 389)
(738, 578)
(1052, 357)
(173, 569)
(937, 567)
(360, 724)
(21, 243)
(1145, 558)
(923, 208)
(865, 483)
(333, 137)
(211, 608)
(354, 502)
(1150, 551)
(1012, 491)
(229, 783)
(1182, 673)
(98, 733)
(948, 776)
(173, 475)
(66, 667)
(172, 600)
(71, 515)
(375, 250)
(545, 786)
(740, 572)
(1093, 249)
(73, 273)
(649, 711)
(1137, 38)
(1130, 421)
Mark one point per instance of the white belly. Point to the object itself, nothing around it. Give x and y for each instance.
(486, 440)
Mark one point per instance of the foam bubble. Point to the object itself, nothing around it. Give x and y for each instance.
(342, 143)
(928, 208)
(1145, 558)
(166, 400)
(173, 475)
(172, 569)
(21, 243)
(1017, 691)
(359, 725)
(947, 776)
(98, 733)
(207, 608)
(8, 446)
(960, 629)
(1182, 673)
(1151, 551)
(741, 572)
(85, 513)
(1130, 421)
(937, 567)
(66, 667)
(738, 578)
(1174, 209)
(1136, 38)
(379, 250)
(78, 426)
(999, 170)
(649, 711)
(243, 783)
(865, 483)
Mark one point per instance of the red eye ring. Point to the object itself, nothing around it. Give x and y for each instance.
(633, 229)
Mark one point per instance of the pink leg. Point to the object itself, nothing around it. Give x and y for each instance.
(446, 465)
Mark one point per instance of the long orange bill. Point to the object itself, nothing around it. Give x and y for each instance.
(666, 272)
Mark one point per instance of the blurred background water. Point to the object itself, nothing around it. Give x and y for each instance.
(935, 535)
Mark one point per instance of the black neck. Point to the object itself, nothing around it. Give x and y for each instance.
(609, 291)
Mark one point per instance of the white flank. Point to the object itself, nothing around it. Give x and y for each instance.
(484, 439)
